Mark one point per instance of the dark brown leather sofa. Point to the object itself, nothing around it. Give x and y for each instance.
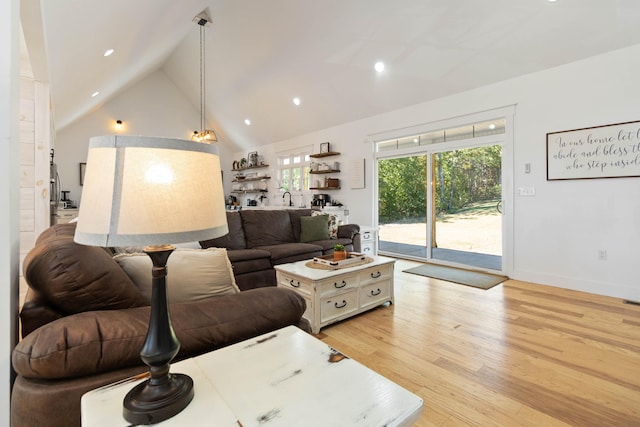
(258, 239)
(84, 323)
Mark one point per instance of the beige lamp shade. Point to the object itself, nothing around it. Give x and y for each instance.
(142, 191)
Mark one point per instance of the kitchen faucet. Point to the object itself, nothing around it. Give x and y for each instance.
(284, 194)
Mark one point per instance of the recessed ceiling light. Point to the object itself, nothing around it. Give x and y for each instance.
(94, 94)
(492, 126)
(247, 122)
(379, 66)
(108, 52)
(296, 101)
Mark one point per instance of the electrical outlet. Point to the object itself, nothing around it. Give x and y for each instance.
(602, 255)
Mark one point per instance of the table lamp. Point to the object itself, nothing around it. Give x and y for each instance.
(152, 192)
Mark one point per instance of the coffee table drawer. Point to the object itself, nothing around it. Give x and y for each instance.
(374, 274)
(338, 284)
(374, 293)
(292, 282)
(338, 305)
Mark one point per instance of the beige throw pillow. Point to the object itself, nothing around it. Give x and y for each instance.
(192, 274)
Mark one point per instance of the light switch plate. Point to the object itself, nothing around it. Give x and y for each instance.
(526, 191)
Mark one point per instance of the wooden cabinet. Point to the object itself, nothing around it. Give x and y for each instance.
(333, 295)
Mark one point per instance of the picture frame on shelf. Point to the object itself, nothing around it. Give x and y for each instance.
(252, 158)
(325, 147)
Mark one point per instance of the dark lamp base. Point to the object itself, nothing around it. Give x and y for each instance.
(149, 403)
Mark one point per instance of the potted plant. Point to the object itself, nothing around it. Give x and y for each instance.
(339, 253)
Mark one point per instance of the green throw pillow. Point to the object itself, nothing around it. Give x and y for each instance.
(313, 228)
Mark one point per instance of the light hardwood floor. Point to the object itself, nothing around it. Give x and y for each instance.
(519, 354)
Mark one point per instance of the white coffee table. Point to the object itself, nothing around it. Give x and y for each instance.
(283, 378)
(334, 295)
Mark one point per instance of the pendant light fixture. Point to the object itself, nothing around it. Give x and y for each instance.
(203, 135)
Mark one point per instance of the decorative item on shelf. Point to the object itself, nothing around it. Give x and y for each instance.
(243, 162)
(139, 179)
(235, 165)
(203, 135)
(333, 182)
(253, 158)
(325, 147)
(339, 253)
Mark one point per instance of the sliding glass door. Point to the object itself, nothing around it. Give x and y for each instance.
(466, 207)
(440, 196)
(402, 205)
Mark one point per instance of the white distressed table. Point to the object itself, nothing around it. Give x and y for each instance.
(283, 378)
(334, 295)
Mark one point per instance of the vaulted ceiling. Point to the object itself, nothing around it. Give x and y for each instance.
(262, 53)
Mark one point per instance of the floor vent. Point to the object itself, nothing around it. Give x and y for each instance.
(631, 302)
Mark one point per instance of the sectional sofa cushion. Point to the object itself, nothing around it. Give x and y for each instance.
(249, 260)
(267, 227)
(327, 245)
(101, 341)
(192, 274)
(291, 252)
(233, 240)
(74, 278)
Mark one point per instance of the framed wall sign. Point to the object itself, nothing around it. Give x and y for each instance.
(609, 151)
(325, 147)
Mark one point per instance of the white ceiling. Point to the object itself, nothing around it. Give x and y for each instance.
(260, 54)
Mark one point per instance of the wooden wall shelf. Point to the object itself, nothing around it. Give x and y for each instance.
(319, 155)
(327, 171)
(249, 167)
(257, 178)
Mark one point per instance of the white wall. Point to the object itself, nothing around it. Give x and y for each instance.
(151, 107)
(557, 233)
(9, 194)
